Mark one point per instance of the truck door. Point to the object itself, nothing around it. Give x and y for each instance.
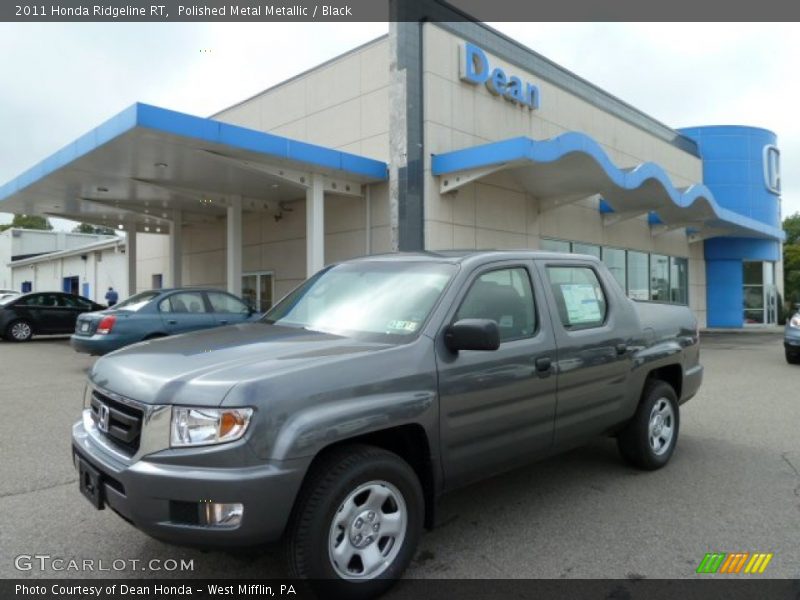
(497, 408)
(593, 336)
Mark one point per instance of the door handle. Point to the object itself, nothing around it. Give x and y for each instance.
(172, 322)
(622, 349)
(543, 364)
(223, 322)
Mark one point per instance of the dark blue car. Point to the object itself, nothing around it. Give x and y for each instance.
(157, 313)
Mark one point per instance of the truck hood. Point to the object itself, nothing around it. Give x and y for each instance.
(200, 368)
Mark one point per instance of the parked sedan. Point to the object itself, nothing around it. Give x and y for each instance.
(791, 340)
(154, 314)
(25, 315)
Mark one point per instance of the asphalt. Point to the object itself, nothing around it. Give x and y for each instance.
(733, 485)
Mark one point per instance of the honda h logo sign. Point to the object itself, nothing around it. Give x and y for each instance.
(772, 169)
(105, 416)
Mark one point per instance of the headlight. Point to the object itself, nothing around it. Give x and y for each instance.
(205, 426)
(795, 321)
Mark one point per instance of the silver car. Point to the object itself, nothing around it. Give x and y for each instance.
(791, 339)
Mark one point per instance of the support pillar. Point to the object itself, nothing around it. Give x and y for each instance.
(234, 245)
(315, 225)
(130, 257)
(176, 251)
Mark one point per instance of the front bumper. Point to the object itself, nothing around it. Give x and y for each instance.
(791, 340)
(153, 496)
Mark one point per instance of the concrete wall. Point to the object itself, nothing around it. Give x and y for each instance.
(497, 212)
(343, 104)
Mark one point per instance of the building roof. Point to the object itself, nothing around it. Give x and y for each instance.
(139, 166)
(116, 242)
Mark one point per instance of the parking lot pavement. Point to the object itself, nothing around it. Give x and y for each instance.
(733, 485)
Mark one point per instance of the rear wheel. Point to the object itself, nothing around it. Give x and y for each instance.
(19, 331)
(648, 441)
(356, 523)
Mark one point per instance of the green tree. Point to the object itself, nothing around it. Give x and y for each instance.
(791, 260)
(28, 222)
(791, 225)
(89, 228)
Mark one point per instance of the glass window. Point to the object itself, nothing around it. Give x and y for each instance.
(659, 277)
(753, 273)
(554, 245)
(136, 301)
(638, 275)
(225, 303)
(679, 280)
(75, 302)
(370, 299)
(40, 300)
(614, 259)
(183, 302)
(504, 296)
(257, 290)
(579, 296)
(590, 249)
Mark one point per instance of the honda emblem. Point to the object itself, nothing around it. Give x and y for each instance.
(105, 416)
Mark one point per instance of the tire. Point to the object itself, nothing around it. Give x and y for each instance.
(349, 493)
(793, 358)
(19, 331)
(649, 440)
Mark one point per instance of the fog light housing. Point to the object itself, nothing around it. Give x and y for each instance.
(220, 514)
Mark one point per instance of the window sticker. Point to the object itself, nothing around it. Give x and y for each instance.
(506, 321)
(404, 326)
(581, 303)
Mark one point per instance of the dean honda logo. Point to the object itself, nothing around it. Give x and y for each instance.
(734, 563)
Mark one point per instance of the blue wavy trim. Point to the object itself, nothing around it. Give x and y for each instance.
(552, 150)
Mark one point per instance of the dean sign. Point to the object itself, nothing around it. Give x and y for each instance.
(475, 69)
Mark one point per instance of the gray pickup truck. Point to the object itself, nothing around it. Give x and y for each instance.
(335, 422)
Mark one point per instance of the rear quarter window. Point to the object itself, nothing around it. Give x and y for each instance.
(580, 299)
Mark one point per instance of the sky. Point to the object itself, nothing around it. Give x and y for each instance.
(63, 79)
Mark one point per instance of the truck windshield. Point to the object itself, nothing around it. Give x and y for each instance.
(382, 301)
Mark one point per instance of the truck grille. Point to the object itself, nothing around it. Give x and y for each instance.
(119, 423)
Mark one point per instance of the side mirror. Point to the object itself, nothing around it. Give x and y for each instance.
(472, 334)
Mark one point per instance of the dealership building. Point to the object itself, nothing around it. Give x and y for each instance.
(440, 135)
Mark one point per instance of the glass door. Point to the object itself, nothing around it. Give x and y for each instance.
(753, 278)
(257, 290)
(760, 293)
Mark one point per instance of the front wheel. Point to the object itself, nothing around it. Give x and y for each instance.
(793, 358)
(357, 522)
(19, 331)
(648, 441)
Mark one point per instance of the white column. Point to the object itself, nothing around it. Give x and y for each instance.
(175, 252)
(234, 246)
(368, 220)
(130, 255)
(315, 225)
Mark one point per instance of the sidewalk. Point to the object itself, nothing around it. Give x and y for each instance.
(762, 330)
